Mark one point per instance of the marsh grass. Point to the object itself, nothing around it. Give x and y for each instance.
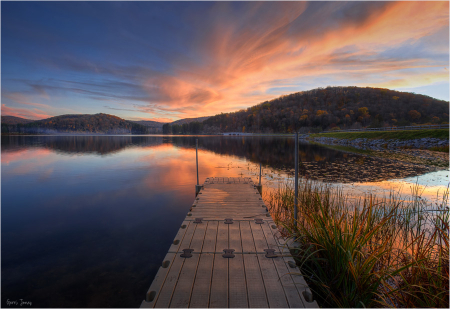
(367, 252)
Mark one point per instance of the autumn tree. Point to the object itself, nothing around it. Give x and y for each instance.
(413, 114)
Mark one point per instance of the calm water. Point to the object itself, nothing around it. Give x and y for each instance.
(87, 220)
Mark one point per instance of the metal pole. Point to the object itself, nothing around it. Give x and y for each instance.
(259, 173)
(296, 178)
(196, 156)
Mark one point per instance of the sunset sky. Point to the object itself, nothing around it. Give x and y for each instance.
(169, 60)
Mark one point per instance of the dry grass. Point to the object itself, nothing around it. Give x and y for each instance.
(368, 252)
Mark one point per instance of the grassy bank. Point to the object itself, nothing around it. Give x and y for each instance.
(400, 135)
(368, 252)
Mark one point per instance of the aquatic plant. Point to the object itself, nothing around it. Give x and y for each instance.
(367, 252)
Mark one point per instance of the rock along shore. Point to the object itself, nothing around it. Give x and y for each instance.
(382, 144)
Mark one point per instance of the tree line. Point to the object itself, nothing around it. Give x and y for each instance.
(332, 108)
(98, 123)
(194, 127)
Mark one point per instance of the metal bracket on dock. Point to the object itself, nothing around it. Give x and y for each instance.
(228, 221)
(228, 253)
(259, 221)
(198, 220)
(270, 253)
(187, 253)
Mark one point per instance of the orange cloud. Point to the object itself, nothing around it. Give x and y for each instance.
(33, 113)
(23, 99)
(240, 54)
(161, 119)
(243, 62)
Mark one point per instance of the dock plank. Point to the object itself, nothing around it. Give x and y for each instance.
(256, 290)
(248, 245)
(222, 237)
(205, 278)
(274, 290)
(209, 244)
(219, 283)
(183, 288)
(165, 296)
(237, 283)
(234, 233)
(202, 284)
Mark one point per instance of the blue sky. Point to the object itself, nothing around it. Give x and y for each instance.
(170, 60)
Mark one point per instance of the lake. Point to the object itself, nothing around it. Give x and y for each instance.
(87, 220)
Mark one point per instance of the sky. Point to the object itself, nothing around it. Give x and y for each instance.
(165, 61)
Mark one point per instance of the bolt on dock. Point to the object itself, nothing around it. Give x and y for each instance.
(228, 253)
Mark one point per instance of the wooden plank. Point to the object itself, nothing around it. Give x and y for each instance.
(202, 283)
(158, 281)
(208, 279)
(300, 283)
(290, 290)
(222, 237)
(255, 287)
(179, 237)
(198, 237)
(248, 244)
(271, 241)
(186, 242)
(183, 288)
(258, 237)
(165, 295)
(209, 243)
(274, 290)
(235, 236)
(237, 283)
(219, 283)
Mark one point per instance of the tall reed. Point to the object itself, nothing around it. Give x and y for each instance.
(367, 252)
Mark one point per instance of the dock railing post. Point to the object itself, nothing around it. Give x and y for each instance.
(197, 187)
(259, 187)
(296, 179)
(259, 173)
(196, 157)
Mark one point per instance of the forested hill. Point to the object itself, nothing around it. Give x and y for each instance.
(332, 108)
(15, 120)
(189, 120)
(98, 123)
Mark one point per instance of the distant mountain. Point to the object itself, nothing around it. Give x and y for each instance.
(149, 123)
(332, 108)
(84, 124)
(153, 127)
(189, 120)
(307, 111)
(15, 120)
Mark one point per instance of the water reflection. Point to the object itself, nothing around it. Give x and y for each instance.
(316, 162)
(86, 220)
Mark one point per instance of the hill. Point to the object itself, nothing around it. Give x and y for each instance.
(149, 123)
(189, 120)
(332, 108)
(98, 123)
(152, 126)
(12, 120)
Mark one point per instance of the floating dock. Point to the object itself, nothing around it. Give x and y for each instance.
(228, 253)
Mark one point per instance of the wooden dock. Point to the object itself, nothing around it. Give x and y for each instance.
(228, 253)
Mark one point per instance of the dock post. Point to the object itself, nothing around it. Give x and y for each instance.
(197, 186)
(259, 187)
(296, 179)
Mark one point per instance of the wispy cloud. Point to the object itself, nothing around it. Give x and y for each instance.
(199, 59)
(23, 99)
(32, 113)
